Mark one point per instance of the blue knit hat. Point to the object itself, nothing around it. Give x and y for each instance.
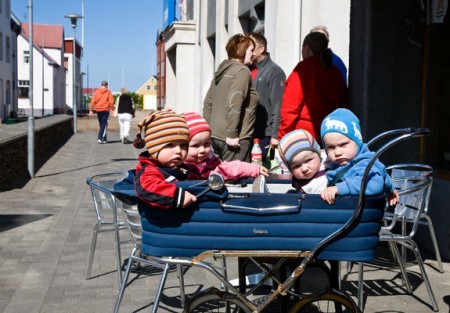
(295, 142)
(342, 121)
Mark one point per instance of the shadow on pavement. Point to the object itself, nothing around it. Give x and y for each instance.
(10, 221)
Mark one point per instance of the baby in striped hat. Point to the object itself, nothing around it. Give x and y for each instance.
(166, 138)
(305, 160)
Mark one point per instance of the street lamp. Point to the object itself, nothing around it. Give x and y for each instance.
(73, 21)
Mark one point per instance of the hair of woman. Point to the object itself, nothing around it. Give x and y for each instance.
(318, 44)
(237, 46)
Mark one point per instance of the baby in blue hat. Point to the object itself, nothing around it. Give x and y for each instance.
(349, 156)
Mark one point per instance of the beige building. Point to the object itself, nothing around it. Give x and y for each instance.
(149, 90)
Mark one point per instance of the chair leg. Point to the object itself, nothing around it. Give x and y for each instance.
(181, 282)
(160, 288)
(118, 253)
(224, 273)
(92, 251)
(124, 281)
(416, 251)
(349, 266)
(435, 245)
(360, 285)
(394, 249)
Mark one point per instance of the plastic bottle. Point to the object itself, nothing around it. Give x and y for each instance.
(256, 154)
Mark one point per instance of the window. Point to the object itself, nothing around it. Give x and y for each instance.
(24, 87)
(26, 56)
(155, 87)
(148, 87)
(8, 92)
(8, 49)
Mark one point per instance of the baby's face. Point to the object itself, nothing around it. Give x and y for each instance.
(173, 154)
(340, 148)
(199, 147)
(305, 165)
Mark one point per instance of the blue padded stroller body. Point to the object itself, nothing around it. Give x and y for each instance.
(209, 226)
(257, 221)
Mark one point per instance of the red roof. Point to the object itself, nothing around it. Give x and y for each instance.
(48, 36)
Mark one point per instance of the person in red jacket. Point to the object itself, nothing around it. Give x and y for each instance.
(166, 140)
(314, 89)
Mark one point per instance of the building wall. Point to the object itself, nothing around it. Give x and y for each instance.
(45, 75)
(68, 55)
(6, 63)
(388, 89)
(383, 39)
(284, 23)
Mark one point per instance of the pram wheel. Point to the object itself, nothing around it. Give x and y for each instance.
(329, 301)
(213, 300)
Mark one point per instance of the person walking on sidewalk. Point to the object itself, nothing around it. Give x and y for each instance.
(125, 112)
(103, 102)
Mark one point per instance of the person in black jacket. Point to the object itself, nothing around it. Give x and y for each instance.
(269, 80)
(125, 110)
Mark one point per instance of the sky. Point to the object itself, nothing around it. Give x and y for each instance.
(119, 36)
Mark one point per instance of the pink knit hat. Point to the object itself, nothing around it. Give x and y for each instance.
(195, 123)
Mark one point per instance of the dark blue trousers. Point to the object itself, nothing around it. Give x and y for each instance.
(103, 117)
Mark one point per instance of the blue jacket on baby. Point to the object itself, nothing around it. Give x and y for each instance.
(350, 183)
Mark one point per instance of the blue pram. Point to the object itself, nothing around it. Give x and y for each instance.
(244, 224)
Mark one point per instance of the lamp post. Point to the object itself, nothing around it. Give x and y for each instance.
(73, 20)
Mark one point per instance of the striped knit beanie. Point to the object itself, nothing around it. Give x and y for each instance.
(195, 123)
(295, 142)
(162, 128)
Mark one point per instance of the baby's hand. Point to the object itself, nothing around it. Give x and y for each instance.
(329, 194)
(393, 198)
(263, 171)
(189, 198)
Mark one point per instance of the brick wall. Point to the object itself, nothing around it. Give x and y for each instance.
(14, 152)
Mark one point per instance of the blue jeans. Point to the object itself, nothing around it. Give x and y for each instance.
(103, 117)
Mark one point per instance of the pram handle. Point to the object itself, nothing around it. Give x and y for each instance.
(414, 131)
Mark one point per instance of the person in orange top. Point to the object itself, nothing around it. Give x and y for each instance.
(103, 102)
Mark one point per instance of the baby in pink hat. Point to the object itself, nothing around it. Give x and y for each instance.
(201, 160)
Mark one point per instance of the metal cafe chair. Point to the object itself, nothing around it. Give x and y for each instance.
(410, 207)
(106, 214)
(132, 220)
(401, 174)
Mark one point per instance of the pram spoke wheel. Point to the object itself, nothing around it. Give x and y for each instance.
(213, 300)
(329, 301)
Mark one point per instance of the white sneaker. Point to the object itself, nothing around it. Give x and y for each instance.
(99, 141)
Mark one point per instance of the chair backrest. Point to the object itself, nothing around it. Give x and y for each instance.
(408, 175)
(412, 203)
(104, 201)
(132, 219)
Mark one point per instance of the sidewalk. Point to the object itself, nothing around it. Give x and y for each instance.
(46, 228)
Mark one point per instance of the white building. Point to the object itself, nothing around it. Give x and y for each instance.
(68, 64)
(9, 30)
(49, 84)
(195, 46)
